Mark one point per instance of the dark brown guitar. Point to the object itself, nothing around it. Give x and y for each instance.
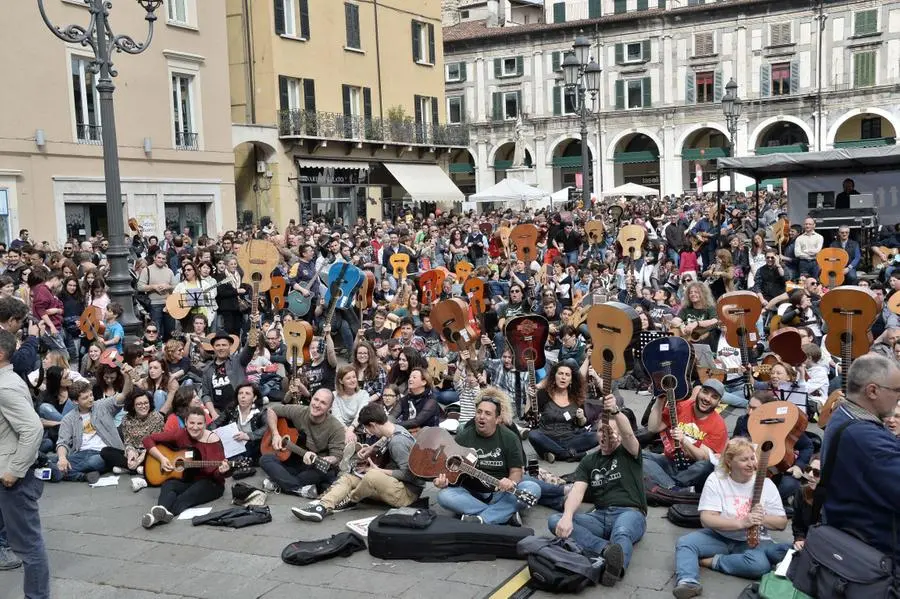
(436, 453)
(527, 336)
(290, 439)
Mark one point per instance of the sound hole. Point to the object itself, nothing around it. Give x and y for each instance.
(179, 464)
(453, 463)
(607, 355)
(766, 446)
(668, 382)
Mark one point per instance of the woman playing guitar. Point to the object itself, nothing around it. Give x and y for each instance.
(560, 402)
(698, 313)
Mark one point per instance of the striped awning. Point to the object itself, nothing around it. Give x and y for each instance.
(335, 164)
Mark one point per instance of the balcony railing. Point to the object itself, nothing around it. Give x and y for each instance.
(333, 125)
(186, 140)
(89, 134)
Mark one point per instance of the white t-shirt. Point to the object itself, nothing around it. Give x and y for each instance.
(732, 499)
(89, 437)
(346, 409)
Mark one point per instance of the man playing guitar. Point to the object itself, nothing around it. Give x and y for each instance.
(499, 454)
(394, 484)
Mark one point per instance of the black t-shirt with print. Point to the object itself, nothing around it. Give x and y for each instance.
(223, 389)
(319, 376)
(614, 480)
(496, 455)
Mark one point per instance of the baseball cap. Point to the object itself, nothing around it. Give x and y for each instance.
(716, 386)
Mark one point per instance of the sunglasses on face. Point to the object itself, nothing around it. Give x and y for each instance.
(151, 331)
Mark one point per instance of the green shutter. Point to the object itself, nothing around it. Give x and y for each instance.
(864, 69)
(643, 4)
(620, 95)
(865, 22)
(351, 18)
(519, 107)
(520, 65)
(559, 12)
(462, 71)
(367, 103)
(662, 4)
(648, 97)
(497, 98)
(557, 100)
(795, 76)
(431, 53)
(498, 68)
(765, 80)
(620, 6)
(304, 19)
(279, 17)
(690, 88)
(416, 47)
(462, 110)
(645, 50)
(283, 98)
(309, 95)
(718, 85)
(620, 53)
(594, 8)
(556, 61)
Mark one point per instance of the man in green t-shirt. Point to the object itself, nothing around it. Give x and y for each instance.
(614, 478)
(498, 454)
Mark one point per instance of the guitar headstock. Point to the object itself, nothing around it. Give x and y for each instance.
(527, 498)
(244, 463)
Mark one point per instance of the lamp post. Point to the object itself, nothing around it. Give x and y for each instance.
(582, 76)
(99, 36)
(731, 108)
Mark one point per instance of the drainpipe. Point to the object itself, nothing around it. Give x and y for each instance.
(819, 128)
(378, 62)
(248, 49)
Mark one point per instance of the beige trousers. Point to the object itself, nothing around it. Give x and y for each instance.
(376, 484)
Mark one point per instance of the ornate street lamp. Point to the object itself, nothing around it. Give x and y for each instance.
(731, 108)
(99, 36)
(582, 76)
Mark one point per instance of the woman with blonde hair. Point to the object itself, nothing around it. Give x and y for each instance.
(727, 515)
(720, 274)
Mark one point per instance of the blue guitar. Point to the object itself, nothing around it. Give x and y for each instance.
(669, 355)
(343, 281)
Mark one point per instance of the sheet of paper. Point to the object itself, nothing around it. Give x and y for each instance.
(361, 526)
(232, 447)
(106, 481)
(782, 568)
(193, 512)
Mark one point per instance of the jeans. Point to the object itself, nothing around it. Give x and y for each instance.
(572, 257)
(21, 528)
(80, 463)
(3, 542)
(346, 323)
(729, 556)
(552, 496)
(164, 322)
(54, 342)
(293, 474)
(177, 495)
(661, 471)
(807, 267)
(579, 442)
(446, 397)
(734, 395)
(50, 412)
(600, 527)
(494, 508)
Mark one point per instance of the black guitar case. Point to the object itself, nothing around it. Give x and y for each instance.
(684, 515)
(445, 539)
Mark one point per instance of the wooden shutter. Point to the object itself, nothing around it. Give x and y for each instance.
(309, 95)
(865, 22)
(557, 100)
(620, 6)
(348, 112)
(520, 108)
(645, 51)
(643, 4)
(431, 43)
(435, 113)
(690, 88)
(462, 71)
(620, 95)
(498, 68)
(556, 61)
(417, 104)
(781, 34)
(304, 19)
(284, 100)
(718, 85)
(703, 44)
(497, 98)
(279, 17)
(620, 53)
(351, 18)
(647, 100)
(559, 12)
(367, 103)
(864, 69)
(594, 8)
(416, 47)
(520, 66)
(795, 76)
(662, 4)
(765, 80)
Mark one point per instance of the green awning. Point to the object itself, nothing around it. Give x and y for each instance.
(461, 167)
(764, 184)
(703, 153)
(567, 161)
(635, 157)
(502, 165)
(866, 143)
(789, 149)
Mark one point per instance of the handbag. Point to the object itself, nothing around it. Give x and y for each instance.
(836, 563)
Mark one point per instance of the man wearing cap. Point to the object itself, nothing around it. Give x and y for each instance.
(224, 373)
(700, 433)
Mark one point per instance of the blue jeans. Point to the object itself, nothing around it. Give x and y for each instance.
(80, 463)
(164, 322)
(49, 412)
(600, 527)
(446, 397)
(577, 443)
(734, 395)
(661, 471)
(552, 496)
(729, 556)
(22, 529)
(572, 257)
(494, 508)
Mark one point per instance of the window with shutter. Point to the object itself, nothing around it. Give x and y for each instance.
(557, 100)
(304, 18)
(430, 33)
(351, 17)
(556, 61)
(280, 22)
(594, 8)
(512, 66)
(416, 42)
(643, 4)
(559, 12)
(634, 90)
(690, 93)
(718, 85)
(454, 72)
(703, 44)
(864, 69)
(781, 79)
(865, 22)
(620, 53)
(765, 81)
(455, 110)
(634, 51)
(620, 6)
(780, 34)
(705, 87)
(497, 101)
(620, 95)
(309, 95)
(795, 77)
(647, 99)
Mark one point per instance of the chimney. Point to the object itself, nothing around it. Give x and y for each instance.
(493, 8)
(450, 13)
(505, 12)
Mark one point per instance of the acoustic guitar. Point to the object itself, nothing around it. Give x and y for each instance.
(877, 262)
(276, 293)
(156, 476)
(292, 444)
(298, 335)
(669, 356)
(504, 232)
(258, 258)
(762, 467)
(595, 230)
(463, 270)
(527, 336)
(179, 305)
(787, 343)
(849, 312)
(400, 265)
(524, 238)
(739, 311)
(612, 327)
(631, 240)
(832, 262)
(431, 282)
(782, 423)
(343, 281)
(91, 324)
(366, 296)
(436, 453)
(474, 288)
(451, 319)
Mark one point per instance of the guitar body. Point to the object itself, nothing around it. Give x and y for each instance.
(669, 355)
(739, 311)
(894, 303)
(400, 263)
(451, 319)
(438, 369)
(366, 291)
(284, 430)
(91, 323)
(177, 306)
(504, 232)
(848, 312)
(782, 423)
(612, 327)
(631, 239)
(831, 404)
(527, 336)
(463, 270)
(524, 238)
(832, 262)
(156, 476)
(594, 230)
(474, 288)
(877, 262)
(343, 283)
(298, 304)
(276, 292)
(258, 258)
(435, 453)
(786, 342)
(298, 335)
(431, 282)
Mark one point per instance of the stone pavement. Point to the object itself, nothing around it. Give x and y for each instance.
(98, 550)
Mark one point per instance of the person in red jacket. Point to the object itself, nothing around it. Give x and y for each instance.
(199, 485)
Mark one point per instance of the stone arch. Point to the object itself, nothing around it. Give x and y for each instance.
(753, 140)
(492, 155)
(833, 129)
(696, 128)
(622, 135)
(551, 150)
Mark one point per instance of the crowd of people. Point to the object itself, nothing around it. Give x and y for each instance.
(84, 400)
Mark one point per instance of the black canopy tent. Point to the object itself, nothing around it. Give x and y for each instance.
(841, 161)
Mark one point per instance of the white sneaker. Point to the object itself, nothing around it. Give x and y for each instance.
(309, 492)
(140, 470)
(119, 470)
(138, 483)
(270, 486)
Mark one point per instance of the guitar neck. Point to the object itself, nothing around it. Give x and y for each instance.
(301, 451)
(846, 359)
(673, 415)
(605, 389)
(253, 333)
(474, 472)
(200, 463)
(532, 377)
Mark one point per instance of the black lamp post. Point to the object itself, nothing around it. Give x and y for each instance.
(731, 108)
(99, 36)
(582, 76)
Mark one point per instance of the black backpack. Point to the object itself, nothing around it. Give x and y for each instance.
(684, 515)
(546, 575)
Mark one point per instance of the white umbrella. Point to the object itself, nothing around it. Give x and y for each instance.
(742, 182)
(631, 189)
(509, 190)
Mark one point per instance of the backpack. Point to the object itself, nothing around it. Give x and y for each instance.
(684, 515)
(546, 575)
(560, 565)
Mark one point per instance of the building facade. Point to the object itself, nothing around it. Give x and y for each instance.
(338, 107)
(811, 78)
(171, 117)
